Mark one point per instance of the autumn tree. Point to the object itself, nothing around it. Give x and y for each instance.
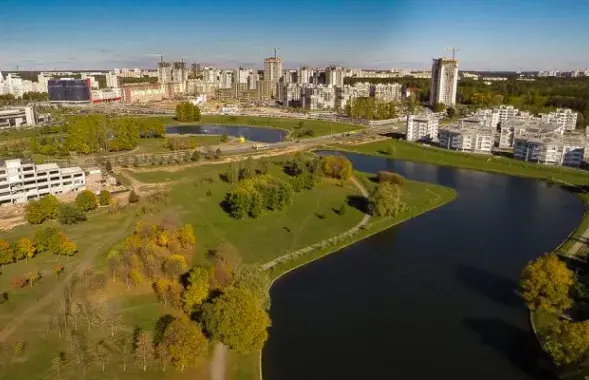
(102, 353)
(546, 284)
(86, 201)
(168, 291)
(58, 362)
(186, 111)
(185, 342)
(6, 253)
(104, 198)
(24, 249)
(385, 200)
(186, 235)
(337, 166)
(44, 209)
(144, 351)
(237, 319)
(568, 342)
(197, 289)
(255, 279)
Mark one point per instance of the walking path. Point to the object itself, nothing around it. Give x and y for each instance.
(219, 362)
(578, 244)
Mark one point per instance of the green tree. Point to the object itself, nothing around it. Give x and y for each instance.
(451, 112)
(385, 200)
(198, 288)
(70, 214)
(337, 166)
(255, 279)
(224, 138)
(44, 238)
(546, 284)
(44, 209)
(237, 319)
(439, 107)
(187, 111)
(185, 342)
(104, 198)
(86, 201)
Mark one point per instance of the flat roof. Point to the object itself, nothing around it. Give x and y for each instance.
(44, 167)
(72, 170)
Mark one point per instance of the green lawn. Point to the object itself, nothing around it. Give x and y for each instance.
(405, 150)
(157, 145)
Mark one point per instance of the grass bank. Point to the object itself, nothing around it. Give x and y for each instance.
(409, 151)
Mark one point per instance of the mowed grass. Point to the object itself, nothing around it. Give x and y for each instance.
(404, 150)
(158, 145)
(311, 218)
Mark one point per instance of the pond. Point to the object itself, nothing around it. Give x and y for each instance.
(258, 134)
(433, 298)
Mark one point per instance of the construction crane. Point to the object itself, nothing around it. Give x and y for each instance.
(454, 50)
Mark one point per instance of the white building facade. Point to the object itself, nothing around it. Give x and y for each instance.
(548, 151)
(466, 139)
(21, 182)
(421, 128)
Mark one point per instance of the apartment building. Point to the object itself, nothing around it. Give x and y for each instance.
(142, 93)
(553, 150)
(444, 82)
(17, 117)
(22, 181)
(467, 138)
(517, 126)
(564, 117)
(334, 76)
(318, 98)
(421, 128)
(290, 94)
(390, 92)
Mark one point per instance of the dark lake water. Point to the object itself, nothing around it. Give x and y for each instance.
(266, 135)
(433, 298)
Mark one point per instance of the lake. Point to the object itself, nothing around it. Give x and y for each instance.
(432, 298)
(265, 135)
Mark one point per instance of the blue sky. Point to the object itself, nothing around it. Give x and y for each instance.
(491, 35)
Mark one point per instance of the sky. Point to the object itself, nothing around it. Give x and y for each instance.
(383, 34)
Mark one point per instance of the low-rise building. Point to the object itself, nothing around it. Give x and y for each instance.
(550, 150)
(17, 117)
(564, 117)
(467, 138)
(517, 126)
(142, 93)
(22, 181)
(422, 128)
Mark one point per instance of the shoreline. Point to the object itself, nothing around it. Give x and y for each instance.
(355, 239)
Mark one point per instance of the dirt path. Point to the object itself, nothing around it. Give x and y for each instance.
(578, 244)
(218, 362)
(19, 317)
(301, 251)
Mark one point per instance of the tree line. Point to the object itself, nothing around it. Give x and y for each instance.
(369, 108)
(49, 207)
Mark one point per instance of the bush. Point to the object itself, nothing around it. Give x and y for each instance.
(336, 167)
(108, 167)
(44, 209)
(392, 178)
(86, 201)
(3, 297)
(6, 253)
(224, 138)
(133, 197)
(19, 282)
(104, 198)
(385, 200)
(70, 214)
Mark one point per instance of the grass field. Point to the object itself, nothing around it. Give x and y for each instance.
(157, 145)
(405, 150)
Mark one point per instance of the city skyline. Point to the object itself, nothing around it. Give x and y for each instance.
(502, 35)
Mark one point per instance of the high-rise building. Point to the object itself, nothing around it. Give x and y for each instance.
(304, 75)
(273, 72)
(444, 82)
(69, 90)
(334, 76)
(112, 80)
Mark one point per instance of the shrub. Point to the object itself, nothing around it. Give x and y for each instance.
(108, 167)
(86, 201)
(224, 138)
(3, 297)
(6, 253)
(19, 282)
(392, 178)
(70, 214)
(342, 209)
(133, 197)
(104, 198)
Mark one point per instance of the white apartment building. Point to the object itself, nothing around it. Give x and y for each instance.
(549, 150)
(334, 76)
(318, 98)
(226, 79)
(517, 126)
(421, 128)
(390, 92)
(304, 75)
(21, 182)
(112, 80)
(17, 117)
(466, 138)
(290, 94)
(444, 82)
(210, 74)
(564, 117)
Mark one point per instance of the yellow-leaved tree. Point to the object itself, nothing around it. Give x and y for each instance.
(546, 283)
(568, 342)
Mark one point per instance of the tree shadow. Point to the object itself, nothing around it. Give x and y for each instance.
(496, 288)
(320, 216)
(358, 202)
(520, 347)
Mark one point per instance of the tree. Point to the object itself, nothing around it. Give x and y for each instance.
(580, 121)
(86, 201)
(337, 166)
(70, 214)
(58, 269)
(175, 265)
(44, 209)
(224, 138)
(185, 342)
(390, 177)
(163, 355)
(237, 319)
(44, 237)
(58, 362)
(24, 249)
(133, 197)
(546, 283)
(32, 277)
(3, 297)
(187, 111)
(6, 253)
(186, 236)
(439, 107)
(255, 279)
(144, 349)
(451, 112)
(168, 291)
(104, 198)
(108, 166)
(568, 342)
(385, 200)
(197, 290)
(102, 353)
